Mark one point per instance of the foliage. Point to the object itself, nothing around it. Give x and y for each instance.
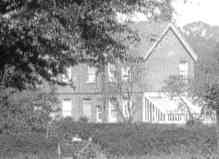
(144, 139)
(40, 38)
(178, 88)
(126, 88)
(27, 143)
(120, 140)
(26, 112)
(206, 71)
(205, 86)
(83, 119)
(175, 86)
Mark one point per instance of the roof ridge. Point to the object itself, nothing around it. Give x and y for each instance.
(171, 26)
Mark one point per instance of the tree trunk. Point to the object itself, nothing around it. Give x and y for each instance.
(217, 130)
(187, 107)
(104, 93)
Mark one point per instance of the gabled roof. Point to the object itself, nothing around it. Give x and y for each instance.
(148, 33)
(171, 27)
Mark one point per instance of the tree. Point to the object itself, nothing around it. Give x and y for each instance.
(177, 87)
(204, 87)
(127, 85)
(39, 39)
(27, 111)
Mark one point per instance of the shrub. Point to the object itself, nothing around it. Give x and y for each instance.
(83, 119)
(194, 122)
(121, 139)
(142, 139)
(27, 145)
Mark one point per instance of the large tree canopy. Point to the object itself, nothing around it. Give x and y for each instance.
(204, 40)
(39, 38)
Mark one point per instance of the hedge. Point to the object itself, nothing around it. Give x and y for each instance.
(120, 139)
(144, 139)
(27, 143)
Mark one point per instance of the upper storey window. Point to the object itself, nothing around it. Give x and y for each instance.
(112, 72)
(184, 69)
(67, 108)
(67, 76)
(125, 73)
(91, 71)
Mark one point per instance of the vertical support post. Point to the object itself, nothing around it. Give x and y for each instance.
(59, 151)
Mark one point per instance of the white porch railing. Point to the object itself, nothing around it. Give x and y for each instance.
(152, 114)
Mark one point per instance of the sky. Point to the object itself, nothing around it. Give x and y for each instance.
(196, 10)
(191, 11)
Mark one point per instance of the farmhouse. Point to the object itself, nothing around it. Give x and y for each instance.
(164, 52)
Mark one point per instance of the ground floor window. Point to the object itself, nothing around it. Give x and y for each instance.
(113, 110)
(99, 113)
(87, 108)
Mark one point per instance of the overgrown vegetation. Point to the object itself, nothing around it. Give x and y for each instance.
(26, 112)
(39, 39)
(121, 140)
(144, 139)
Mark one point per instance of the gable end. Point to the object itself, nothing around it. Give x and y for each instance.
(179, 37)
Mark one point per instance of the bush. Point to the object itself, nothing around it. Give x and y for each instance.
(83, 119)
(142, 139)
(121, 139)
(28, 143)
(194, 123)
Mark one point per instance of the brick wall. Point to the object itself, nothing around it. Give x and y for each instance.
(162, 63)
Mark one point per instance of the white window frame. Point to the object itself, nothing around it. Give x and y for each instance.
(125, 73)
(91, 74)
(184, 70)
(111, 69)
(112, 118)
(85, 104)
(67, 76)
(99, 113)
(67, 112)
